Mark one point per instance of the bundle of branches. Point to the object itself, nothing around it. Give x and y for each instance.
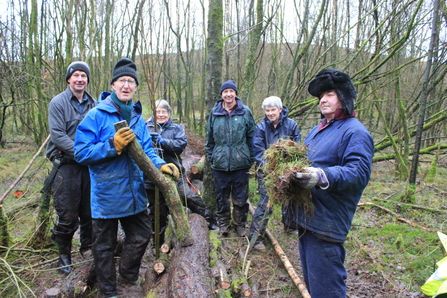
(284, 159)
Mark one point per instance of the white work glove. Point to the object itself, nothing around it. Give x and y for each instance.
(312, 177)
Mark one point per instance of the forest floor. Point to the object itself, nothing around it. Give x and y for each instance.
(378, 266)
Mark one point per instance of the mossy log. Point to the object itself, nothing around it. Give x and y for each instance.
(166, 185)
(188, 274)
(196, 170)
(162, 263)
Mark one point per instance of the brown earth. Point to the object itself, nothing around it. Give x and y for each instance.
(266, 275)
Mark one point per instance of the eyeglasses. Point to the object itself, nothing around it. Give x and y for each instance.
(161, 112)
(124, 81)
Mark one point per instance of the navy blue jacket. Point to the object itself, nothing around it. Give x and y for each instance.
(344, 150)
(267, 134)
(175, 143)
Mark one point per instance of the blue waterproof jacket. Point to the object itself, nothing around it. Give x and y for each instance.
(267, 134)
(117, 182)
(229, 137)
(344, 150)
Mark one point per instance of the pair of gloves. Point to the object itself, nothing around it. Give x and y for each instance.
(312, 177)
(125, 135)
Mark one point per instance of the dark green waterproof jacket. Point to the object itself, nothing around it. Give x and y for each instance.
(229, 137)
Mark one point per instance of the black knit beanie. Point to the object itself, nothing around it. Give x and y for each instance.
(78, 65)
(124, 67)
(228, 85)
(333, 79)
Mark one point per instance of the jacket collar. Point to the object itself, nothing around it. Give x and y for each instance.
(220, 111)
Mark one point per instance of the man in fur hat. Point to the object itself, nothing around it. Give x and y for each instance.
(341, 150)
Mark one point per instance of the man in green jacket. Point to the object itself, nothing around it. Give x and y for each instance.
(230, 131)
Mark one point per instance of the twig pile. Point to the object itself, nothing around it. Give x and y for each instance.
(284, 159)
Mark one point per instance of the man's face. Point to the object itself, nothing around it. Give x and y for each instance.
(78, 81)
(272, 114)
(229, 96)
(125, 88)
(329, 103)
(162, 115)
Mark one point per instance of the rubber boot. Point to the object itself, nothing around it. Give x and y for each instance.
(212, 223)
(65, 258)
(64, 244)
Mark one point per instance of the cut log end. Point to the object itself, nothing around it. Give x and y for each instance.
(159, 268)
(164, 248)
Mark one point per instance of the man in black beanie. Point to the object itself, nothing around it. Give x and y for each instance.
(230, 130)
(340, 149)
(118, 193)
(71, 181)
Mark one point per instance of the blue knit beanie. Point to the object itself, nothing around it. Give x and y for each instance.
(228, 85)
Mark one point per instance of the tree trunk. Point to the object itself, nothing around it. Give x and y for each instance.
(188, 275)
(166, 185)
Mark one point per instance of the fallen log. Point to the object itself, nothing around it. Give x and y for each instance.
(196, 170)
(162, 263)
(244, 289)
(169, 236)
(167, 186)
(224, 280)
(188, 275)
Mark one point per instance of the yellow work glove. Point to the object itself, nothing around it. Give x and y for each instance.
(122, 138)
(170, 169)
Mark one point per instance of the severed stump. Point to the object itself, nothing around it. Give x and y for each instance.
(188, 274)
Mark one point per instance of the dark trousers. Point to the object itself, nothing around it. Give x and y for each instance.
(260, 217)
(232, 184)
(323, 268)
(189, 198)
(71, 192)
(137, 229)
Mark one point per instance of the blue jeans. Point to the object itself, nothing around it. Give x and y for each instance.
(323, 268)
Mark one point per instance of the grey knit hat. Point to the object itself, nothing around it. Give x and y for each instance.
(333, 79)
(228, 85)
(78, 65)
(124, 67)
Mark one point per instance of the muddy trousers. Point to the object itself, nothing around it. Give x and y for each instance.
(323, 268)
(260, 217)
(234, 185)
(137, 229)
(71, 192)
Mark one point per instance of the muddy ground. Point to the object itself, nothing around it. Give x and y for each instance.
(266, 275)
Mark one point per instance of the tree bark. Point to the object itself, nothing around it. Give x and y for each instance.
(188, 275)
(166, 185)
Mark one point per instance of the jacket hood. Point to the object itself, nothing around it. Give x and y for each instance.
(283, 115)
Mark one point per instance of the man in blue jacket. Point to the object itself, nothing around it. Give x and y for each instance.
(340, 149)
(229, 135)
(117, 182)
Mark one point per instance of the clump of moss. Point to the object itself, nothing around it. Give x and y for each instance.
(284, 159)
